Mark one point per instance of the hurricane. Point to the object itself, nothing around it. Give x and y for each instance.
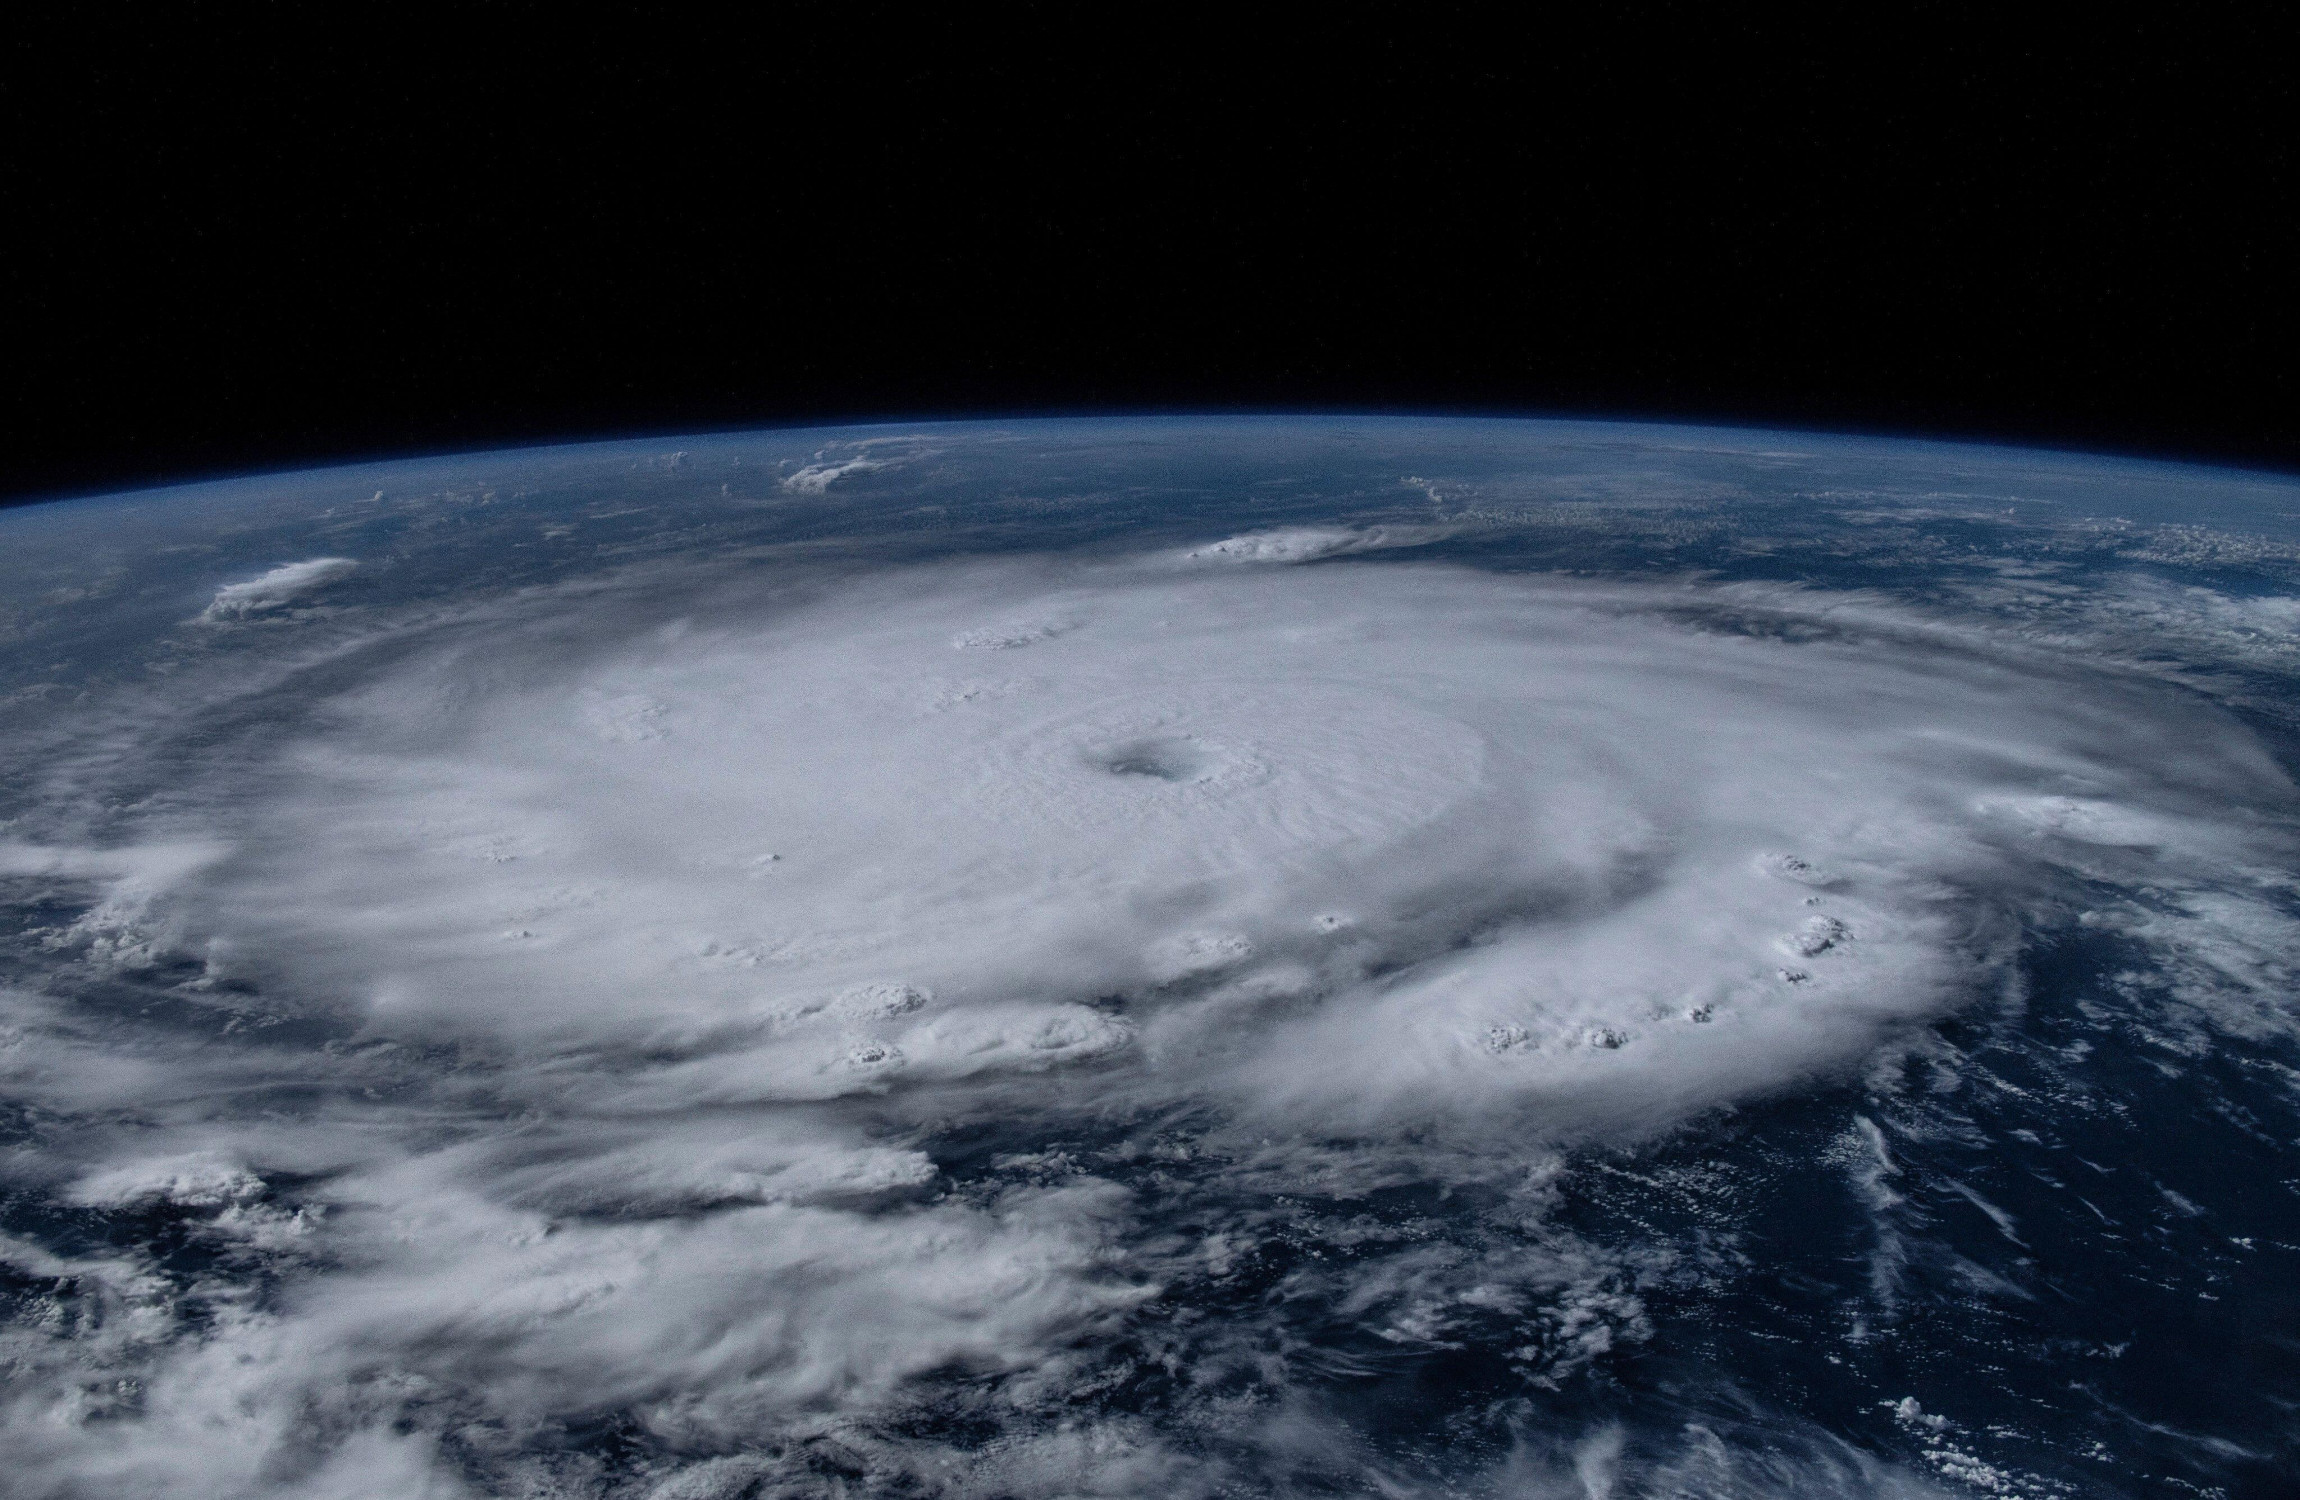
(1166, 958)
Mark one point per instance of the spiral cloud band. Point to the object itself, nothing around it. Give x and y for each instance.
(758, 1016)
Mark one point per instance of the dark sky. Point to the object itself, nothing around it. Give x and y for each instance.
(266, 236)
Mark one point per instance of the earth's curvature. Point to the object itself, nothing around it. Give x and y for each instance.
(1156, 958)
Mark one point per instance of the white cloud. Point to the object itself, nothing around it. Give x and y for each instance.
(1300, 544)
(282, 586)
(662, 974)
(817, 478)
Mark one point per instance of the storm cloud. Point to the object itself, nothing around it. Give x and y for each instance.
(594, 1012)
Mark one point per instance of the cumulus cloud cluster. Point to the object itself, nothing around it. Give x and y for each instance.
(275, 590)
(764, 1024)
(1300, 544)
(844, 460)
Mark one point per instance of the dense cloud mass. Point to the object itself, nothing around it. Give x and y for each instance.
(750, 1013)
(282, 586)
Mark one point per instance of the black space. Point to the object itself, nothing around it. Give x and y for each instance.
(266, 236)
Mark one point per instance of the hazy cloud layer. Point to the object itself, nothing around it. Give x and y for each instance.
(615, 997)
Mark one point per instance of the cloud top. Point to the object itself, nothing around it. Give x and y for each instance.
(275, 590)
(817, 478)
(1303, 544)
(776, 1032)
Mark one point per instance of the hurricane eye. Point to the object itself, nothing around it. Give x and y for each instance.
(1157, 759)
